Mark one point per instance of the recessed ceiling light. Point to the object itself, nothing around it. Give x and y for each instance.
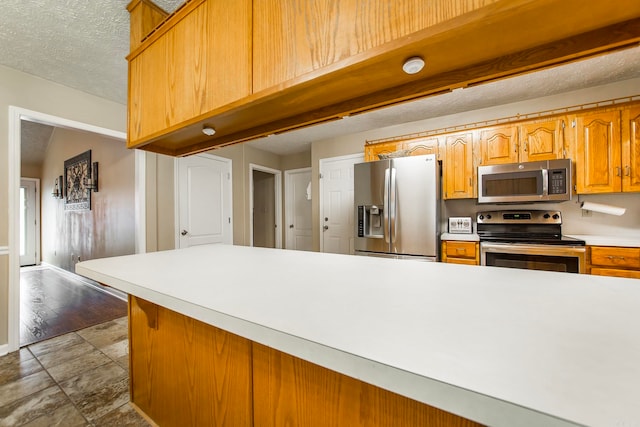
(413, 65)
(208, 130)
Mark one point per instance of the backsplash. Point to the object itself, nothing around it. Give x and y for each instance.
(573, 221)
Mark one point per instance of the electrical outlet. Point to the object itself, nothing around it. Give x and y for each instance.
(586, 213)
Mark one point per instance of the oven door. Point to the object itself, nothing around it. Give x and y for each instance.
(570, 259)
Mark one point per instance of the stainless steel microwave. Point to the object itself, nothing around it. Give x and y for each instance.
(545, 181)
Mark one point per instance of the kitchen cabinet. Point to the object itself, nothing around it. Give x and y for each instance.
(186, 372)
(614, 261)
(176, 77)
(460, 252)
(499, 145)
(459, 169)
(293, 38)
(597, 147)
(409, 147)
(144, 17)
(536, 140)
(631, 148)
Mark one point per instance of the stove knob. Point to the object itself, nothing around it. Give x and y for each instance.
(556, 216)
(546, 216)
(488, 216)
(481, 217)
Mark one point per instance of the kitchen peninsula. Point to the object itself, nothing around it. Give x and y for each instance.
(502, 347)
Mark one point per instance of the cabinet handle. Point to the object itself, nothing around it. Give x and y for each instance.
(612, 257)
(515, 148)
(460, 250)
(618, 171)
(628, 172)
(525, 146)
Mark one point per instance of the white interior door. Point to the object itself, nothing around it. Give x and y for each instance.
(336, 204)
(204, 200)
(297, 195)
(29, 222)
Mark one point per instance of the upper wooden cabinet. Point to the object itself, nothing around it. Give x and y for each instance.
(542, 140)
(499, 145)
(200, 63)
(598, 152)
(409, 147)
(293, 38)
(527, 142)
(631, 148)
(459, 170)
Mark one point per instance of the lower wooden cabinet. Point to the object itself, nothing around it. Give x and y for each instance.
(614, 261)
(188, 373)
(460, 252)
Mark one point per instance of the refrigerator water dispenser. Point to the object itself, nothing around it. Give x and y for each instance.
(370, 221)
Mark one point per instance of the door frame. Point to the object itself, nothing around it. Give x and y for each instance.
(322, 163)
(38, 216)
(176, 195)
(16, 115)
(288, 199)
(278, 201)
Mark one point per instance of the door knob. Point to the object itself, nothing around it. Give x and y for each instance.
(184, 232)
(325, 228)
(290, 225)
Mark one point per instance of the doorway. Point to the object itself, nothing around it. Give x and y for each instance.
(29, 221)
(265, 207)
(16, 116)
(297, 196)
(336, 204)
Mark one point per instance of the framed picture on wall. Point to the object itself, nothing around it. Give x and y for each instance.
(76, 176)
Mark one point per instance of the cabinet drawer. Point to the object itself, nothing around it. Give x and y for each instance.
(634, 274)
(464, 261)
(461, 249)
(615, 257)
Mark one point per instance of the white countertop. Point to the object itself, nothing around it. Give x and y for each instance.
(503, 347)
(472, 237)
(592, 240)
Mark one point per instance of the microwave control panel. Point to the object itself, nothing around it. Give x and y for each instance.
(558, 181)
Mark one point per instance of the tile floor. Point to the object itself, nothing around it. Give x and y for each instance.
(76, 379)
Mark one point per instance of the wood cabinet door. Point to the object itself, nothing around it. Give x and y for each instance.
(421, 146)
(499, 145)
(597, 148)
(292, 37)
(542, 140)
(371, 151)
(148, 92)
(459, 169)
(631, 148)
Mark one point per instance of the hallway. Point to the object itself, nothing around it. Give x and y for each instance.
(54, 302)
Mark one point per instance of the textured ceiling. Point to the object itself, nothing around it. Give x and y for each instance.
(78, 43)
(83, 44)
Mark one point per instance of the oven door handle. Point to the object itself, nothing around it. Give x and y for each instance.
(545, 182)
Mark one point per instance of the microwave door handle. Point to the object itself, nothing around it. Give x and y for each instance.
(545, 182)
(385, 206)
(393, 205)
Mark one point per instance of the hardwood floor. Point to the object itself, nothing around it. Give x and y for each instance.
(53, 303)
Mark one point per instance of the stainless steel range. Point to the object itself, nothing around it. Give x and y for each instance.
(530, 239)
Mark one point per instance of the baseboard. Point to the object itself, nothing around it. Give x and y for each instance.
(4, 349)
(102, 288)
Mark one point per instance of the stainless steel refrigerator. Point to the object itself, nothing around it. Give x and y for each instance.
(397, 207)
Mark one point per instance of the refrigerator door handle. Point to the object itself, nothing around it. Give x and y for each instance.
(392, 205)
(385, 208)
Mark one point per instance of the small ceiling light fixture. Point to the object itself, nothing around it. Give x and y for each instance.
(413, 65)
(208, 130)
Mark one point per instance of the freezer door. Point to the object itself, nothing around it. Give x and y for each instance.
(371, 206)
(415, 205)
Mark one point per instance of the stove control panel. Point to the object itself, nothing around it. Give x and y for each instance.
(520, 217)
